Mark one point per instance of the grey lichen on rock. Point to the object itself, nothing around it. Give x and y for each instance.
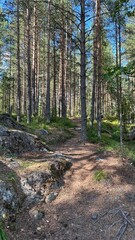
(11, 194)
(17, 141)
(44, 185)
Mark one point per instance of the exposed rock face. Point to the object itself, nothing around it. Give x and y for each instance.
(34, 185)
(58, 167)
(41, 133)
(30, 188)
(44, 186)
(17, 141)
(11, 195)
(132, 134)
(9, 122)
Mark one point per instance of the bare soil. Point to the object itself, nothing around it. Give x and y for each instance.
(85, 209)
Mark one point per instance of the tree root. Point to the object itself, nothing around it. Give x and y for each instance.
(125, 223)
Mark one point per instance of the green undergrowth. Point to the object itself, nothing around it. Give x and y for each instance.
(110, 140)
(40, 123)
(36, 123)
(58, 128)
(62, 123)
(3, 235)
(100, 175)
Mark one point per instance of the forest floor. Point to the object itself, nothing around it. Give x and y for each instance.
(97, 201)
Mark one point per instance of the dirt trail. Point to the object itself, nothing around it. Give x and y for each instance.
(86, 209)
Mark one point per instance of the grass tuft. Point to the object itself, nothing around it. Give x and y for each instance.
(3, 235)
(100, 175)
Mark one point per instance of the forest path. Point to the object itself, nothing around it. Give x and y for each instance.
(86, 209)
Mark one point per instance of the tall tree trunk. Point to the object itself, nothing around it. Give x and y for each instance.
(83, 74)
(44, 76)
(24, 91)
(62, 96)
(74, 92)
(65, 69)
(120, 87)
(34, 64)
(18, 100)
(54, 108)
(99, 67)
(10, 107)
(117, 64)
(47, 113)
(70, 80)
(37, 79)
(63, 77)
(94, 71)
(28, 63)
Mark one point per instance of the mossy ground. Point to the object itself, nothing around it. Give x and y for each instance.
(110, 140)
(58, 128)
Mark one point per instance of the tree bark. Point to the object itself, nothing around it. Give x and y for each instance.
(94, 73)
(47, 112)
(83, 74)
(34, 64)
(54, 108)
(120, 88)
(99, 67)
(18, 100)
(62, 95)
(28, 64)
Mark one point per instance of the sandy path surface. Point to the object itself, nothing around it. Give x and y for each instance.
(86, 209)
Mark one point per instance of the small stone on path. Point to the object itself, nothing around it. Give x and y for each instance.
(36, 214)
(52, 196)
(94, 216)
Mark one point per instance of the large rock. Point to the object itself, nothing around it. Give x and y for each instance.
(35, 185)
(3, 131)
(58, 167)
(42, 133)
(9, 122)
(17, 141)
(11, 194)
(44, 185)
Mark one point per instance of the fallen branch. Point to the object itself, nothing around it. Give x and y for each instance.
(125, 223)
(121, 231)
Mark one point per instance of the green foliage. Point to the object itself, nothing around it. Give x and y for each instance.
(111, 139)
(111, 118)
(130, 41)
(92, 134)
(100, 175)
(3, 235)
(129, 151)
(25, 164)
(36, 123)
(40, 123)
(62, 122)
(11, 176)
